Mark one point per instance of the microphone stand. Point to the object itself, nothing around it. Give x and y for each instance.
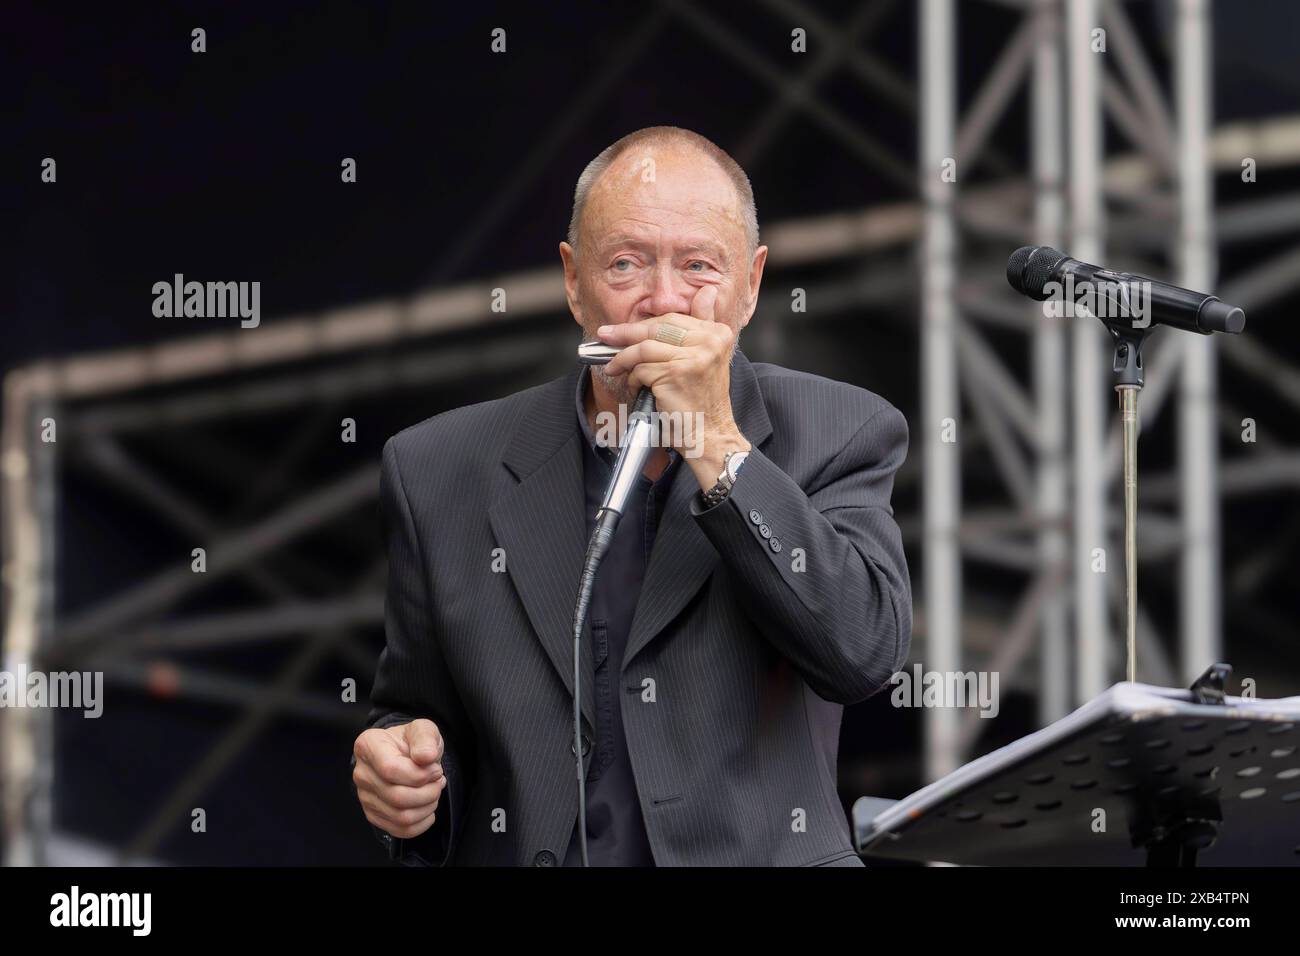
(1032, 270)
(637, 442)
(1127, 366)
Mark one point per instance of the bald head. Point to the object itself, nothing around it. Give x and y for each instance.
(638, 158)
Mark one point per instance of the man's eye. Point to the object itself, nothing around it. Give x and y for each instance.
(696, 262)
(622, 265)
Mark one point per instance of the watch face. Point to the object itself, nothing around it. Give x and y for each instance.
(735, 462)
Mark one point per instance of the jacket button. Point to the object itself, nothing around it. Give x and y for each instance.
(755, 517)
(544, 858)
(586, 745)
(765, 531)
(775, 544)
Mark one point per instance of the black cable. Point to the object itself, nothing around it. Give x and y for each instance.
(603, 534)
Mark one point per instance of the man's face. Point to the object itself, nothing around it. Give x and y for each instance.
(659, 225)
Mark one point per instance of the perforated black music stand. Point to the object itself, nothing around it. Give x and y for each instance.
(1141, 775)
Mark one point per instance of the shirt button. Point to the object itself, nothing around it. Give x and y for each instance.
(544, 858)
(765, 531)
(775, 544)
(755, 517)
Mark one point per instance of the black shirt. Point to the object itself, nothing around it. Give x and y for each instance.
(615, 829)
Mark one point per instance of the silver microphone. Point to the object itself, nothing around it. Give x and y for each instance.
(638, 440)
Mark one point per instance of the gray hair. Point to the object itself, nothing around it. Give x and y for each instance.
(657, 136)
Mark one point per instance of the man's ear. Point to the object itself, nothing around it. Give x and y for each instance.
(569, 256)
(755, 280)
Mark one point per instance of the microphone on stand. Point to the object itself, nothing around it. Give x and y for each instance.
(1042, 272)
(1129, 305)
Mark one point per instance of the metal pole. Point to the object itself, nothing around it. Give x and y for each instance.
(1198, 459)
(939, 401)
(1128, 413)
(1049, 361)
(1086, 230)
(23, 741)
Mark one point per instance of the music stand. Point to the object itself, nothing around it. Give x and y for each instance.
(1181, 777)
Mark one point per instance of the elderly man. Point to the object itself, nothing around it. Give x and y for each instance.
(755, 585)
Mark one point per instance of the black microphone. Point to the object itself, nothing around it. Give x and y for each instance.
(1119, 298)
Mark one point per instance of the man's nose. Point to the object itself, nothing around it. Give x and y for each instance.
(669, 292)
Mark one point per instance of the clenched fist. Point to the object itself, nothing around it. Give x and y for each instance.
(399, 776)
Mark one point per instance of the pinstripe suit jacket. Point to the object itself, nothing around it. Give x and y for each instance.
(757, 620)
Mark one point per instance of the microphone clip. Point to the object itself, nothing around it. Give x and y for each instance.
(1127, 360)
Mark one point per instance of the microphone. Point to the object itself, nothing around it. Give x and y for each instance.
(632, 455)
(1119, 298)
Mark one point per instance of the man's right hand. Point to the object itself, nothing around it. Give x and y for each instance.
(399, 776)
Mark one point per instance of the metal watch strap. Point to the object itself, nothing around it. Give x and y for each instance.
(722, 487)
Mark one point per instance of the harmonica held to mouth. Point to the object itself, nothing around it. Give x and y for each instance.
(596, 353)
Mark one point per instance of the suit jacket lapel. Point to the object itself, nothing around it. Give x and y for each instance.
(683, 557)
(542, 526)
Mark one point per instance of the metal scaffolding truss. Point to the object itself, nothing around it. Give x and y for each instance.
(1042, 448)
(1052, 440)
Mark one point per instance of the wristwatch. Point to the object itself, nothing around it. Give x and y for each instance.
(731, 465)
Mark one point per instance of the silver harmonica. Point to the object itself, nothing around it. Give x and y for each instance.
(596, 353)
